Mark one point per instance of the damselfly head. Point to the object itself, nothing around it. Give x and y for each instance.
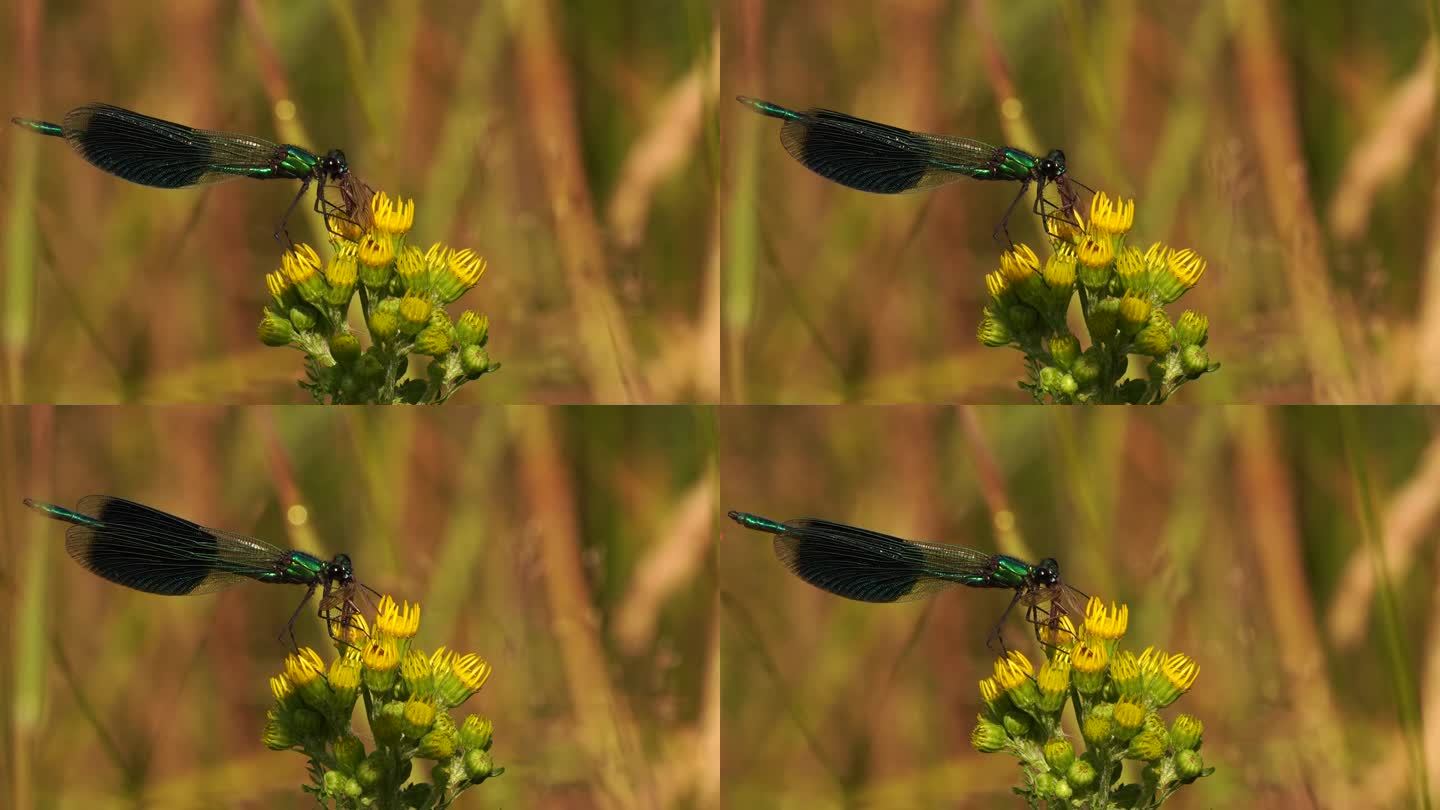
(333, 165)
(1052, 166)
(1047, 572)
(339, 571)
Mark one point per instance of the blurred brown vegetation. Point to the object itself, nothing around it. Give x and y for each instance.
(571, 547)
(567, 142)
(1292, 145)
(1291, 551)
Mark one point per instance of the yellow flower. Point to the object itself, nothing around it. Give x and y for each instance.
(1134, 312)
(1178, 672)
(303, 666)
(381, 659)
(1013, 670)
(1104, 623)
(278, 283)
(1129, 716)
(1064, 230)
(990, 690)
(1060, 271)
(1131, 270)
(344, 679)
(416, 672)
(1125, 672)
(375, 252)
(1054, 681)
(301, 266)
(1089, 660)
(1111, 218)
(341, 274)
(392, 217)
(1019, 263)
(410, 266)
(1182, 270)
(419, 716)
(1095, 253)
(1059, 634)
(397, 621)
(414, 314)
(281, 688)
(996, 283)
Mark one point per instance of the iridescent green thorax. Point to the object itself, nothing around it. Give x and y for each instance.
(1014, 165)
(300, 569)
(297, 162)
(1007, 572)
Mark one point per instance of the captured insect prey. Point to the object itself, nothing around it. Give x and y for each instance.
(148, 550)
(869, 566)
(882, 159)
(154, 152)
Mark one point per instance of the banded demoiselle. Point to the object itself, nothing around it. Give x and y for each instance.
(868, 566)
(148, 550)
(882, 159)
(154, 152)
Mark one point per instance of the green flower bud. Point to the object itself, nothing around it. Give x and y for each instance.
(389, 723)
(1068, 386)
(1064, 349)
(1060, 754)
(1086, 368)
(1062, 790)
(472, 329)
(277, 736)
(1021, 318)
(1194, 360)
(1044, 785)
(1050, 379)
(345, 347)
(371, 771)
(478, 765)
(992, 331)
(351, 788)
(1104, 318)
(988, 737)
(434, 341)
(1186, 732)
(1192, 329)
(1017, 724)
(349, 752)
(303, 317)
(1188, 764)
(1096, 729)
(437, 744)
(1147, 746)
(474, 361)
(475, 732)
(1157, 337)
(275, 330)
(1081, 774)
(384, 325)
(334, 783)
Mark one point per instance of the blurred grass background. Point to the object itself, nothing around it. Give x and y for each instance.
(1293, 147)
(1291, 551)
(571, 547)
(568, 142)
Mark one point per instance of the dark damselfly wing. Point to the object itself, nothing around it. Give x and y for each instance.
(154, 152)
(879, 158)
(872, 567)
(143, 548)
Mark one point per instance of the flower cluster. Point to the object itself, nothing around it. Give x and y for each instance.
(1123, 293)
(406, 696)
(402, 291)
(1117, 696)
